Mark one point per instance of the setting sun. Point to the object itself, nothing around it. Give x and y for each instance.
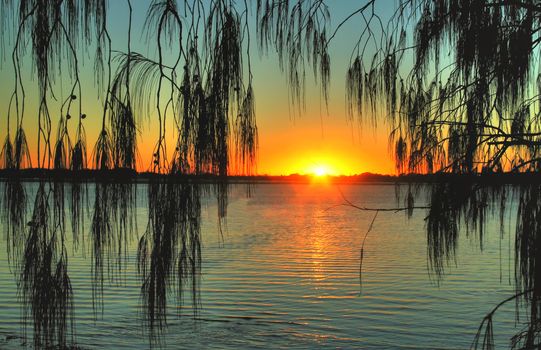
(321, 170)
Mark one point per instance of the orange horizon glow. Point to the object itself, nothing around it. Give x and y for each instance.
(287, 144)
(310, 161)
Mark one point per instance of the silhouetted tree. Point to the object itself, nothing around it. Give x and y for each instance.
(206, 90)
(457, 80)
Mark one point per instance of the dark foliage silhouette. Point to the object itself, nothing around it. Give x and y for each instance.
(211, 106)
(45, 285)
(473, 111)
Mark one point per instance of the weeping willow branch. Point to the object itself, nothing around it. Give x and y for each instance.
(44, 282)
(297, 30)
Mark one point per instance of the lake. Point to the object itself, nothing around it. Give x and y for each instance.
(283, 272)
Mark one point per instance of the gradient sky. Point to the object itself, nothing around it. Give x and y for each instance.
(289, 143)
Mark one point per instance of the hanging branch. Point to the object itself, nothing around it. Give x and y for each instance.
(362, 251)
(103, 148)
(297, 31)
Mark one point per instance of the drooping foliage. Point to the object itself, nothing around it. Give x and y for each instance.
(298, 31)
(204, 88)
(46, 290)
(457, 80)
(458, 83)
(170, 249)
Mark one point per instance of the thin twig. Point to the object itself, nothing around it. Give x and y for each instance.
(362, 252)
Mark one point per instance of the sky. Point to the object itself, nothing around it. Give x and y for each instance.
(316, 140)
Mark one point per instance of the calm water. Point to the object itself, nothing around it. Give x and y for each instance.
(284, 273)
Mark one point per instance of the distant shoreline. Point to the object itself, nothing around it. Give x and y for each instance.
(127, 175)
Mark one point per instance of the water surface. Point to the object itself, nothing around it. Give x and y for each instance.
(284, 273)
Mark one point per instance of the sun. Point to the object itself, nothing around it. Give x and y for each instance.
(321, 171)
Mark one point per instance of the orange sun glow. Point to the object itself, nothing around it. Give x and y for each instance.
(321, 170)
